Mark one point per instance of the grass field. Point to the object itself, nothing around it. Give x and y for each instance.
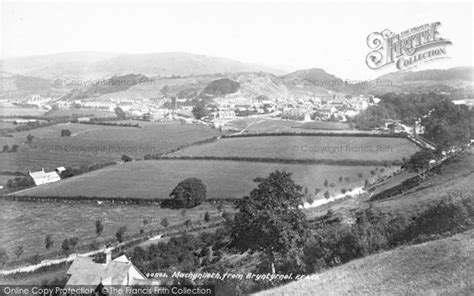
(19, 111)
(326, 125)
(441, 267)
(306, 147)
(27, 223)
(268, 125)
(260, 125)
(96, 143)
(80, 112)
(224, 179)
(4, 124)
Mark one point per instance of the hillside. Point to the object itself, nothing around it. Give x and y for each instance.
(460, 79)
(441, 267)
(437, 75)
(74, 65)
(91, 65)
(111, 85)
(251, 86)
(12, 85)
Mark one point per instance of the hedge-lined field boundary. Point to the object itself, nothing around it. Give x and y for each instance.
(317, 134)
(340, 162)
(106, 199)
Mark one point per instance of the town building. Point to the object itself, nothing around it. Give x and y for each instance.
(224, 114)
(325, 113)
(61, 105)
(36, 100)
(294, 113)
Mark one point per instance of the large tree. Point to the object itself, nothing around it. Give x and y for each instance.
(3, 257)
(199, 110)
(189, 193)
(420, 160)
(448, 125)
(270, 220)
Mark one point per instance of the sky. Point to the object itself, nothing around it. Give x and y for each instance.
(285, 35)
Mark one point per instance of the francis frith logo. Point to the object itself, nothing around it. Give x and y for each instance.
(407, 49)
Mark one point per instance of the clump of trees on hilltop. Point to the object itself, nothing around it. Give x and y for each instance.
(221, 87)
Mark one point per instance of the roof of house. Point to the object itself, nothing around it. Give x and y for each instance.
(84, 271)
(42, 174)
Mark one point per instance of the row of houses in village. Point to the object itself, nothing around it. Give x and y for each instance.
(295, 108)
(304, 107)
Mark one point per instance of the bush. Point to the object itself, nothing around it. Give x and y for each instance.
(20, 182)
(69, 244)
(65, 133)
(3, 257)
(187, 194)
(126, 158)
(164, 222)
(119, 235)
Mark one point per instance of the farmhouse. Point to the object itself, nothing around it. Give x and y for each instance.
(83, 119)
(41, 177)
(120, 271)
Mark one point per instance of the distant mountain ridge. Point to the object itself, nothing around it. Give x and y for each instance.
(434, 80)
(190, 73)
(457, 73)
(93, 65)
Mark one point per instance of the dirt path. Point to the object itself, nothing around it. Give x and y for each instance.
(247, 127)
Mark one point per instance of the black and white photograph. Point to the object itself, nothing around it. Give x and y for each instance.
(236, 148)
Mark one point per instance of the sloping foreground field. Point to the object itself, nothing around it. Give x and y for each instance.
(224, 179)
(441, 267)
(306, 147)
(27, 223)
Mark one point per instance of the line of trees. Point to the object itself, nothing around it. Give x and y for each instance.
(8, 149)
